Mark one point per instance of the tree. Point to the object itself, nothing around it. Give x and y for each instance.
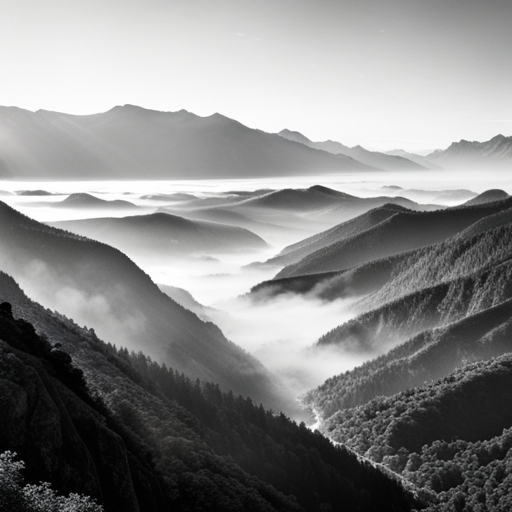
(15, 497)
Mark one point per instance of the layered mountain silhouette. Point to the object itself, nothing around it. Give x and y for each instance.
(413, 157)
(99, 286)
(447, 197)
(162, 234)
(496, 152)
(287, 212)
(358, 153)
(128, 141)
(410, 291)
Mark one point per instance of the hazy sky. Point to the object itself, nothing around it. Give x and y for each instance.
(381, 73)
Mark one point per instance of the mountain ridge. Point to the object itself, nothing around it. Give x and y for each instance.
(127, 140)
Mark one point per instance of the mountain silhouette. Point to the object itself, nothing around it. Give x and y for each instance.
(358, 153)
(494, 153)
(127, 142)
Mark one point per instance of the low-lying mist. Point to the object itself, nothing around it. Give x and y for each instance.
(42, 284)
(280, 332)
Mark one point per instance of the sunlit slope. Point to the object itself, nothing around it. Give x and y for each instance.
(402, 231)
(99, 286)
(442, 410)
(162, 233)
(128, 142)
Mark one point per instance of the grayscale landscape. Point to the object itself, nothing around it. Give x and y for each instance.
(256, 256)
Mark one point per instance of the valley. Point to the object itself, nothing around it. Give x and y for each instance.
(317, 298)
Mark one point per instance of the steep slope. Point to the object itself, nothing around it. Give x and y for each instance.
(100, 287)
(355, 282)
(163, 234)
(422, 408)
(295, 252)
(51, 421)
(402, 231)
(188, 445)
(185, 299)
(494, 153)
(129, 141)
(384, 327)
(485, 245)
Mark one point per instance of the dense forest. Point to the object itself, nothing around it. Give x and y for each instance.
(136, 435)
(451, 438)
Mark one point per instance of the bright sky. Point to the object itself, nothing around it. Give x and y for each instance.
(415, 74)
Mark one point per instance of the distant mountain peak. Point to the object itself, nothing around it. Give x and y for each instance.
(295, 136)
(497, 151)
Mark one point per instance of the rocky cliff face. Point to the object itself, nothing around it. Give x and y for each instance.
(61, 438)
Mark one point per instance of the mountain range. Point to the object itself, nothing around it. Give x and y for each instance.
(496, 152)
(435, 322)
(127, 142)
(286, 213)
(150, 407)
(375, 159)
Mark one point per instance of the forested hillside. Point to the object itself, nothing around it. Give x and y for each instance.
(434, 404)
(432, 354)
(140, 436)
(451, 437)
